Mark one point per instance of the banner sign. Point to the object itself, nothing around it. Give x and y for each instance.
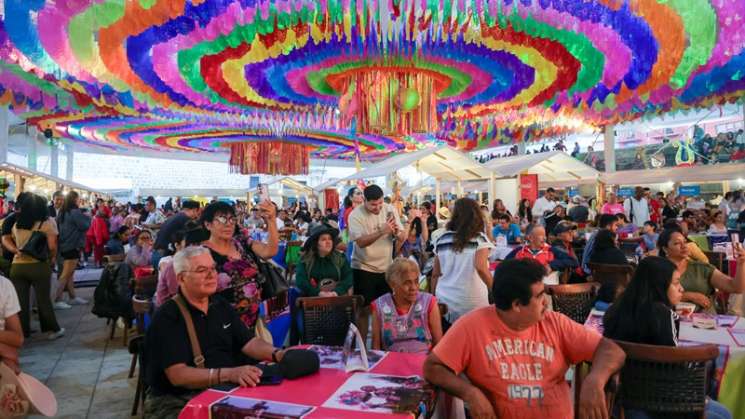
(529, 187)
(625, 192)
(690, 190)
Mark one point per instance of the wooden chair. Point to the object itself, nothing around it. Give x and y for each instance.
(574, 300)
(669, 381)
(581, 371)
(326, 319)
(137, 348)
(616, 274)
(108, 259)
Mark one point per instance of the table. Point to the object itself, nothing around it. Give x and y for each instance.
(318, 390)
(730, 365)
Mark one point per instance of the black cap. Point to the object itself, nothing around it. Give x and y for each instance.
(317, 231)
(563, 227)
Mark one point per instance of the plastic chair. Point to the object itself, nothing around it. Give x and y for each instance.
(573, 300)
(326, 319)
(667, 381)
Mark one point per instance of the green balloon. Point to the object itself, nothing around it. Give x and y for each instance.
(410, 100)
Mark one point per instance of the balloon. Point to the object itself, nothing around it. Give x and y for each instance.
(409, 99)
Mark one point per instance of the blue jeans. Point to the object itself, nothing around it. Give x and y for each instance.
(714, 410)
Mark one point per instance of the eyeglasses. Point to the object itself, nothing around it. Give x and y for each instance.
(357, 193)
(204, 271)
(225, 220)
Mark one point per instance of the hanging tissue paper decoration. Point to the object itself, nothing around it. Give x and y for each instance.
(360, 77)
(269, 157)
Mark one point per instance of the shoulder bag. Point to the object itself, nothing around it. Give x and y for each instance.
(36, 246)
(196, 350)
(270, 276)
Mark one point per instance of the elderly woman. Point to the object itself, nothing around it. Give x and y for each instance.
(323, 271)
(406, 319)
(141, 253)
(699, 279)
(236, 255)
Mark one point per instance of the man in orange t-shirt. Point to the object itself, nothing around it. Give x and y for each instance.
(516, 354)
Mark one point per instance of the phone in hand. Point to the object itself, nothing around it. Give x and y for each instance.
(263, 191)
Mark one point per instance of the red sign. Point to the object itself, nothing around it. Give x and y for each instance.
(529, 187)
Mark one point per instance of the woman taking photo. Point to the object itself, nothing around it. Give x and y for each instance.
(461, 277)
(700, 280)
(645, 313)
(27, 271)
(236, 255)
(73, 225)
(322, 270)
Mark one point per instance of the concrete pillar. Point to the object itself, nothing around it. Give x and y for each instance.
(31, 154)
(609, 151)
(54, 160)
(70, 154)
(4, 133)
(459, 190)
(491, 193)
(522, 147)
(437, 195)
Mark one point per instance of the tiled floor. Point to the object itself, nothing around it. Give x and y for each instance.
(86, 371)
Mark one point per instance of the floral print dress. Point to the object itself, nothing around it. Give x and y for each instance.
(237, 281)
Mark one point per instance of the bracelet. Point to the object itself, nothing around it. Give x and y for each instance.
(209, 378)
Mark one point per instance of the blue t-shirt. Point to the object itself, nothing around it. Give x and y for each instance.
(512, 232)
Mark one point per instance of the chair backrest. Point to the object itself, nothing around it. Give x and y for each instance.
(145, 286)
(140, 308)
(672, 381)
(107, 259)
(574, 300)
(326, 319)
(616, 274)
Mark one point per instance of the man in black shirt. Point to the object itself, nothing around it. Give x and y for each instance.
(190, 211)
(57, 200)
(226, 344)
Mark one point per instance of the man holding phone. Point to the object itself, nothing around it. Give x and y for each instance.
(372, 227)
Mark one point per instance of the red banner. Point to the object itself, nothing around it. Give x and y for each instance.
(529, 187)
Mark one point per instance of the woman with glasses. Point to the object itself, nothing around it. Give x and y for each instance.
(235, 255)
(141, 253)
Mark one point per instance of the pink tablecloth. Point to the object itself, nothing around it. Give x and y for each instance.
(313, 390)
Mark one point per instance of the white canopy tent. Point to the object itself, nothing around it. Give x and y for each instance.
(698, 173)
(285, 187)
(443, 163)
(554, 168)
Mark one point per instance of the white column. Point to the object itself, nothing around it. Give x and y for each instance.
(522, 147)
(437, 195)
(459, 190)
(609, 151)
(54, 160)
(31, 154)
(70, 161)
(4, 134)
(491, 193)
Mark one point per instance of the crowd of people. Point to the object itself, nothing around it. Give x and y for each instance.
(406, 261)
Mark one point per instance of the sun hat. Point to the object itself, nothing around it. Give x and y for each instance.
(316, 232)
(22, 394)
(444, 212)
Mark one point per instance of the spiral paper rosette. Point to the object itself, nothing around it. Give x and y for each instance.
(366, 77)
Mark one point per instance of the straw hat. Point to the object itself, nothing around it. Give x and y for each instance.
(444, 212)
(34, 396)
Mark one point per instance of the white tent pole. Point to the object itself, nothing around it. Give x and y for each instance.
(491, 193)
(437, 195)
(459, 189)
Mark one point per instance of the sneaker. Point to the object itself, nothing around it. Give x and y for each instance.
(61, 305)
(77, 301)
(56, 335)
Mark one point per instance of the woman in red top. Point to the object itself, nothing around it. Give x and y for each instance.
(98, 234)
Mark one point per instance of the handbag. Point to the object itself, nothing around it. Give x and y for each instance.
(36, 246)
(271, 277)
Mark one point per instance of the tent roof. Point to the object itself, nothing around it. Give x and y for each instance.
(553, 166)
(444, 163)
(699, 173)
(10, 167)
(328, 184)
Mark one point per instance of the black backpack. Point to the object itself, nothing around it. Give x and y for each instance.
(112, 297)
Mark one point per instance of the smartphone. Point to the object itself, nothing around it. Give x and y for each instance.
(263, 191)
(270, 380)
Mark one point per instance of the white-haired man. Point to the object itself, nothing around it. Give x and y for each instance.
(227, 345)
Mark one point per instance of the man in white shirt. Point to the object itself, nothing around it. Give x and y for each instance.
(373, 228)
(545, 203)
(154, 217)
(636, 208)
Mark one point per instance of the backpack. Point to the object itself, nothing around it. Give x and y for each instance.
(112, 296)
